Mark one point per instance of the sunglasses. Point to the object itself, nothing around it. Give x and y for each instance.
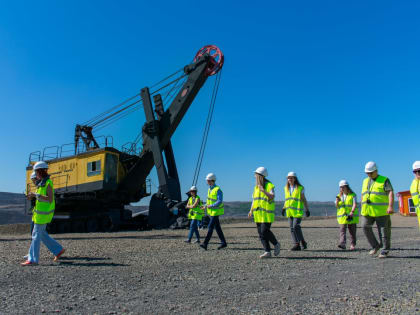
(416, 171)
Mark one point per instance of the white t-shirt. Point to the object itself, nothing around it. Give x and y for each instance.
(292, 189)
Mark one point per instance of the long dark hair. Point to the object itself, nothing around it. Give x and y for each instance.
(296, 182)
(43, 172)
(350, 190)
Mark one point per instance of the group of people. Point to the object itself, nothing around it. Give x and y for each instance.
(214, 207)
(377, 206)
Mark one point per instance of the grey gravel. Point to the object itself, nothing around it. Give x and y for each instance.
(155, 272)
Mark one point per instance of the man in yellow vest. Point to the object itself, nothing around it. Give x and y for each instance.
(415, 188)
(377, 206)
(215, 208)
(42, 215)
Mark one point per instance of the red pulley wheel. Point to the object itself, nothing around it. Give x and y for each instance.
(216, 55)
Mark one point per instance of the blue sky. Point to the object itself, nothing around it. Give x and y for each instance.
(318, 87)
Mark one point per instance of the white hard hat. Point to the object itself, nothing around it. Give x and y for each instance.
(193, 188)
(262, 171)
(291, 174)
(33, 175)
(210, 176)
(416, 165)
(40, 165)
(343, 182)
(370, 167)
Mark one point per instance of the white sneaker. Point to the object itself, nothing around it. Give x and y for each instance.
(373, 251)
(266, 255)
(383, 254)
(277, 249)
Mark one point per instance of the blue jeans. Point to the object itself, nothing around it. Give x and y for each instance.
(194, 229)
(215, 224)
(40, 234)
(296, 229)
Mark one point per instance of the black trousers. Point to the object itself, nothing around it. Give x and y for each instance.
(266, 236)
(215, 224)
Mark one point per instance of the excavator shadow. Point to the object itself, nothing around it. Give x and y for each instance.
(129, 237)
(316, 258)
(247, 248)
(335, 250)
(84, 258)
(92, 264)
(403, 257)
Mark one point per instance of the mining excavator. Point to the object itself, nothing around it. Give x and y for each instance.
(94, 181)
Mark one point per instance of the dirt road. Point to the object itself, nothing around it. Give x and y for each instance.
(155, 272)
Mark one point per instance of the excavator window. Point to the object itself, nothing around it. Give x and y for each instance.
(94, 168)
(111, 168)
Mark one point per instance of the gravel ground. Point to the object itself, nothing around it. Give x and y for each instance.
(155, 272)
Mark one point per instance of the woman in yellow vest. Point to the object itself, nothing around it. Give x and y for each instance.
(42, 215)
(294, 204)
(347, 214)
(195, 214)
(415, 188)
(263, 208)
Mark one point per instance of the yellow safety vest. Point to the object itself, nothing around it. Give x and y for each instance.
(293, 202)
(378, 197)
(414, 190)
(344, 209)
(262, 207)
(43, 211)
(211, 199)
(195, 213)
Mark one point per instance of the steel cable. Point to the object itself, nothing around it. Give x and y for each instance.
(207, 128)
(118, 117)
(91, 121)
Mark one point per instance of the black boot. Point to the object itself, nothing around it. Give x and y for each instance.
(222, 246)
(304, 245)
(203, 246)
(296, 247)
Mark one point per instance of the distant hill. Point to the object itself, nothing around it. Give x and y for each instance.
(317, 208)
(12, 207)
(11, 198)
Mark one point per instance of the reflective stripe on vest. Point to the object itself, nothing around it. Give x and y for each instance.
(195, 213)
(262, 207)
(293, 202)
(211, 199)
(375, 193)
(344, 210)
(414, 190)
(44, 211)
(378, 197)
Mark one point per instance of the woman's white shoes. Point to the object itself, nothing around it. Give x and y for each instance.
(266, 255)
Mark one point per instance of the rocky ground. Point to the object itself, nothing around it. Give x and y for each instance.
(155, 272)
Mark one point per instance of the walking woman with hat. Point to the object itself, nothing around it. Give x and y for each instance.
(347, 214)
(293, 208)
(42, 215)
(195, 214)
(263, 208)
